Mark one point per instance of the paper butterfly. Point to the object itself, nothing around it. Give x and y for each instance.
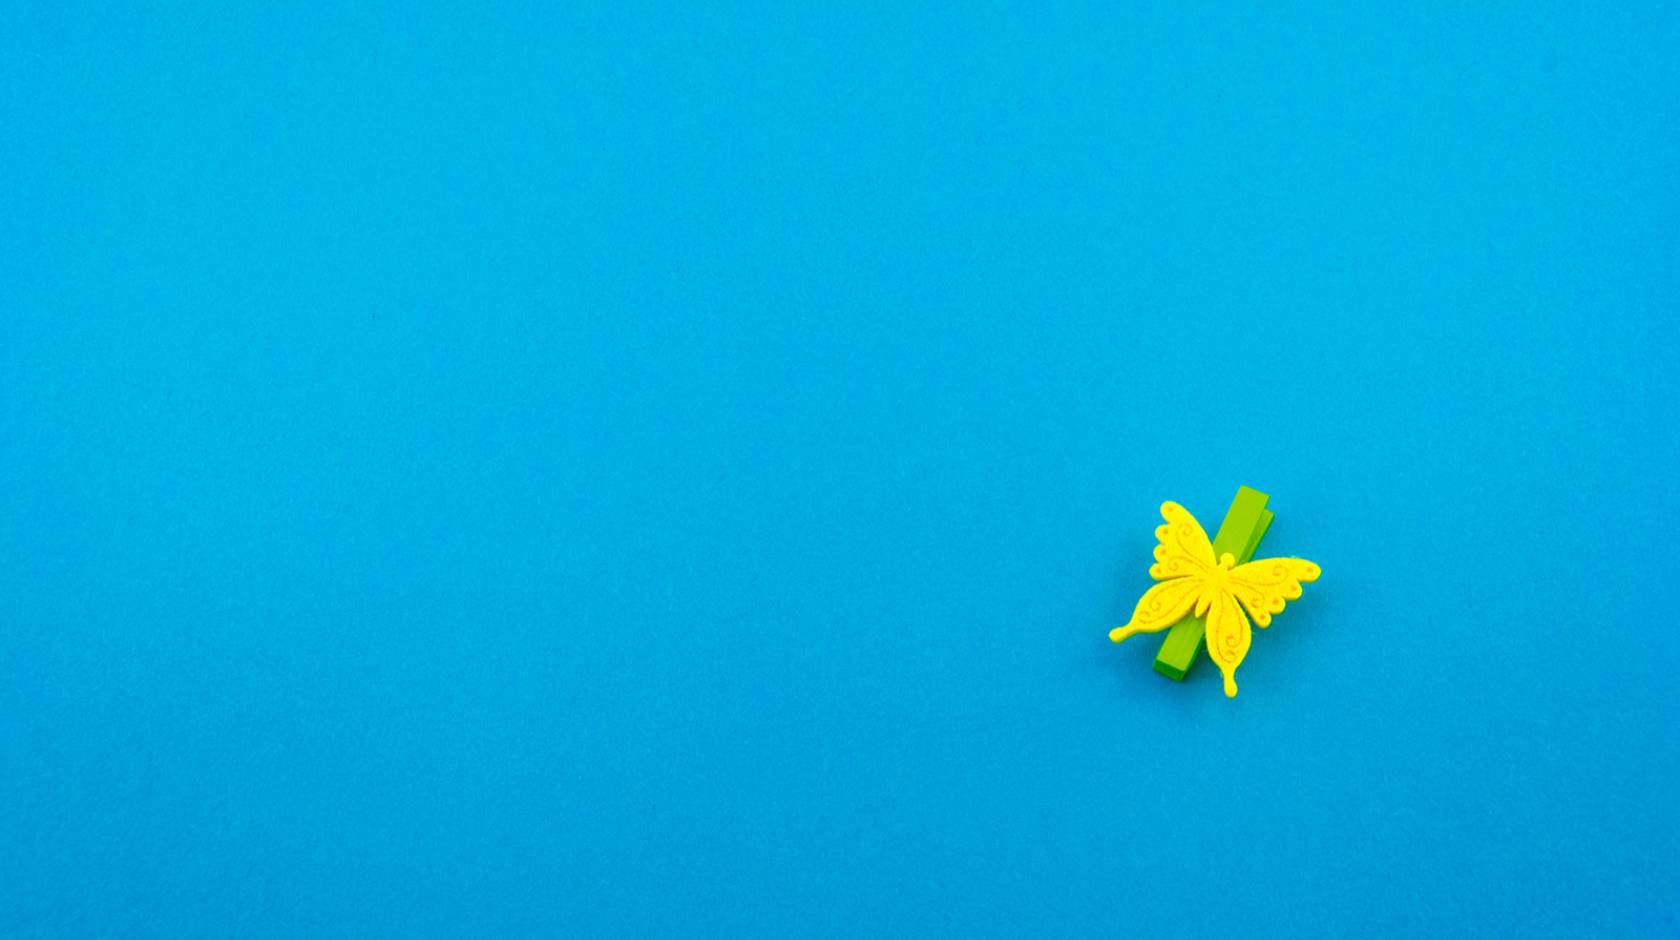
(1194, 582)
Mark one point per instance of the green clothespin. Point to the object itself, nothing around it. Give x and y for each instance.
(1245, 524)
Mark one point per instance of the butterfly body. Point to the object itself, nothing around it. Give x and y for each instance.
(1195, 583)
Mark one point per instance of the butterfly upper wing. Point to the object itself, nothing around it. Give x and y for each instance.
(1184, 549)
(1228, 637)
(1160, 607)
(1264, 586)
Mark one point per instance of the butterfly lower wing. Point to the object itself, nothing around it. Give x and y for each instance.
(1265, 586)
(1228, 637)
(1184, 549)
(1160, 607)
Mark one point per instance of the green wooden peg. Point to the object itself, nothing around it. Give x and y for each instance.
(1245, 524)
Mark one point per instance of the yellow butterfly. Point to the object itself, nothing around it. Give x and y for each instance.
(1193, 581)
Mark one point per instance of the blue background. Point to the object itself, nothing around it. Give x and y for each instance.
(637, 470)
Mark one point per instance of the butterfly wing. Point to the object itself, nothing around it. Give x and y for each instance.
(1184, 549)
(1264, 586)
(1160, 607)
(1183, 559)
(1228, 637)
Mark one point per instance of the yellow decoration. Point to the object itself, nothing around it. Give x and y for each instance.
(1194, 583)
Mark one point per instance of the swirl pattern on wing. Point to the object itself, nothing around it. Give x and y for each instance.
(1265, 586)
(1160, 607)
(1184, 549)
(1228, 638)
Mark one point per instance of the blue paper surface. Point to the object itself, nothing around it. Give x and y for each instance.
(645, 471)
